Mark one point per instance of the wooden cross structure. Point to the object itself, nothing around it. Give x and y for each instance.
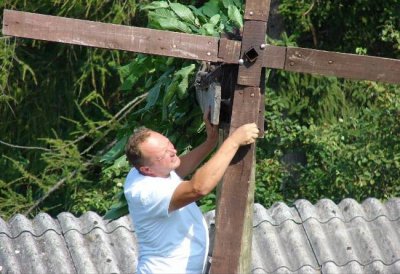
(252, 55)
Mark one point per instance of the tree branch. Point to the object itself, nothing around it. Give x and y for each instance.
(52, 189)
(24, 147)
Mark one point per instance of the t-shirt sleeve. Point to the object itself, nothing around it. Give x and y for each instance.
(156, 197)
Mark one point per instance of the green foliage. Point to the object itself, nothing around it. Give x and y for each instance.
(67, 111)
(56, 92)
(210, 19)
(351, 151)
(326, 137)
(345, 25)
(62, 163)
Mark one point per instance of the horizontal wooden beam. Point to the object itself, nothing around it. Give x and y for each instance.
(196, 47)
(274, 57)
(344, 65)
(109, 36)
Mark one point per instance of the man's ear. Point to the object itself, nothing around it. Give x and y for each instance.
(145, 170)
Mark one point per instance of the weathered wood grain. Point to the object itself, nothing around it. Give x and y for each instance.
(344, 65)
(271, 56)
(110, 36)
(232, 249)
(233, 204)
(229, 51)
(261, 108)
(274, 57)
(257, 10)
(196, 47)
(253, 38)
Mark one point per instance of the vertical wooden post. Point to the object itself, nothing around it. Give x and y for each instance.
(232, 245)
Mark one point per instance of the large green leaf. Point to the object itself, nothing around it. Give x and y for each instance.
(119, 209)
(235, 16)
(211, 8)
(174, 25)
(183, 79)
(183, 12)
(169, 94)
(215, 19)
(227, 3)
(154, 92)
(115, 151)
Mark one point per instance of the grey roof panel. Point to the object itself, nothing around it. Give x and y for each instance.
(323, 238)
(99, 246)
(278, 232)
(354, 267)
(352, 237)
(33, 246)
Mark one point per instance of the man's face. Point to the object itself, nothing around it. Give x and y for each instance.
(160, 156)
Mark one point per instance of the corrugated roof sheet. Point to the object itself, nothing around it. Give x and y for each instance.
(325, 237)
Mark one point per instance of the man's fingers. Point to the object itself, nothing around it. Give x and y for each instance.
(207, 114)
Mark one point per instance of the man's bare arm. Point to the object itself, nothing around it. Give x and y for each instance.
(208, 176)
(191, 160)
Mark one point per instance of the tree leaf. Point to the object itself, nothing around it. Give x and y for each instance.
(115, 151)
(174, 24)
(117, 211)
(238, 3)
(128, 82)
(183, 12)
(208, 29)
(155, 5)
(182, 77)
(153, 96)
(169, 94)
(227, 3)
(210, 8)
(235, 16)
(215, 19)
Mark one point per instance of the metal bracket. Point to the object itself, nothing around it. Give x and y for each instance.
(251, 55)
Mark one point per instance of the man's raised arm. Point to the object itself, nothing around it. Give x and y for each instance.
(208, 176)
(191, 160)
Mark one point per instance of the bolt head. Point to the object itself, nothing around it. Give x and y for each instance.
(262, 46)
(241, 61)
(251, 13)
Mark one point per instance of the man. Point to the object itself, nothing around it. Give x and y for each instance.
(171, 232)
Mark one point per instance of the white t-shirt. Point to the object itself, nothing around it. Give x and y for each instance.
(175, 242)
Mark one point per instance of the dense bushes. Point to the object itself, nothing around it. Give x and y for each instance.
(329, 137)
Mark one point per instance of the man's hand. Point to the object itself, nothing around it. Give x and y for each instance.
(208, 176)
(245, 134)
(212, 130)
